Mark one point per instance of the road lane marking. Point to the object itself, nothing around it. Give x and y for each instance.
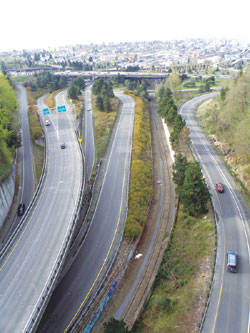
(235, 199)
(111, 245)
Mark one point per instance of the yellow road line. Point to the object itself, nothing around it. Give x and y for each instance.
(118, 222)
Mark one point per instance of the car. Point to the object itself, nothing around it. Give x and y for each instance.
(219, 187)
(47, 122)
(63, 146)
(21, 209)
(232, 260)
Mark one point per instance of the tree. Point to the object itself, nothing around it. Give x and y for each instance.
(63, 81)
(79, 81)
(97, 86)
(179, 168)
(174, 80)
(99, 103)
(115, 326)
(194, 193)
(74, 92)
(106, 104)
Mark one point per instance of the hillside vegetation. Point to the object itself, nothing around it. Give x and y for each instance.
(8, 137)
(227, 120)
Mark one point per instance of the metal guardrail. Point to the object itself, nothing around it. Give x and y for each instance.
(40, 308)
(5, 249)
(109, 262)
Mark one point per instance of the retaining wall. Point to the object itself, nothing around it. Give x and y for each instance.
(7, 191)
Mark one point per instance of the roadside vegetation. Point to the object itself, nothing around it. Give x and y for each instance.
(181, 288)
(9, 137)
(226, 120)
(182, 284)
(140, 189)
(105, 114)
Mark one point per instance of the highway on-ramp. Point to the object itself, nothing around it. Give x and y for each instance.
(228, 309)
(27, 269)
(95, 256)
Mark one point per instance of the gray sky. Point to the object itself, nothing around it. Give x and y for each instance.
(29, 24)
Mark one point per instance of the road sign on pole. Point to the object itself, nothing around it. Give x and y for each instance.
(46, 111)
(61, 108)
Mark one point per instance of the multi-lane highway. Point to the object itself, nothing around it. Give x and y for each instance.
(27, 270)
(105, 231)
(228, 309)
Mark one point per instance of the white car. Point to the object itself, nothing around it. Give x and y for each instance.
(47, 122)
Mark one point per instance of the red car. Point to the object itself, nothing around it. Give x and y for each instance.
(220, 187)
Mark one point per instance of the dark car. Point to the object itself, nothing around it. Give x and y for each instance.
(232, 265)
(63, 146)
(220, 187)
(21, 209)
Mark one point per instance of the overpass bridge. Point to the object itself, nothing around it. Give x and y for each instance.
(91, 75)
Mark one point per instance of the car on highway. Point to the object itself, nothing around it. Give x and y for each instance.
(232, 262)
(21, 209)
(47, 122)
(219, 187)
(63, 146)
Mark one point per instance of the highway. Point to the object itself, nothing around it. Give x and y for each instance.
(228, 309)
(104, 234)
(89, 144)
(27, 270)
(24, 154)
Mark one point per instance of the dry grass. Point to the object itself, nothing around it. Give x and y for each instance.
(179, 296)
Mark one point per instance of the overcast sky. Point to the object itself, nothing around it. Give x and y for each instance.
(29, 24)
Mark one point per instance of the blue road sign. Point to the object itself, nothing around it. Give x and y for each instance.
(46, 111)
(61, 108)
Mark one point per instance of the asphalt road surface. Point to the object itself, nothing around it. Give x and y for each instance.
(25, 156)
(26, 272)
(89, 144)
(228, 309)
(92, 261)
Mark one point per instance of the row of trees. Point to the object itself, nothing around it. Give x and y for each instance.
(47, 81)
(191, 186)
(186, 175)
(9, 139)
(104, 92)
(168, 111)
(75, 88)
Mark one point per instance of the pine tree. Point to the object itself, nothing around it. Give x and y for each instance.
(194, 193)
(179, 168)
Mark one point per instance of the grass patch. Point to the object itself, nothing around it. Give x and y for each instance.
(182, 281)
(104, 123)
(36, 132)
(50, 99)
(38, 152)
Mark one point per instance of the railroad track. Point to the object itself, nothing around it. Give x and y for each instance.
(162, 211)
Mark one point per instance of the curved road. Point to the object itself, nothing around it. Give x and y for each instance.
(27, 182)
(89, 144)
(26, 272)
(94, 258)
(228, 309)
